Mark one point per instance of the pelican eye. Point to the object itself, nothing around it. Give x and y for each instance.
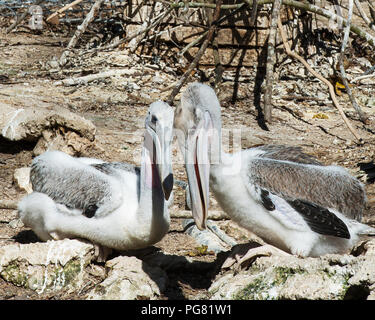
(154, 119)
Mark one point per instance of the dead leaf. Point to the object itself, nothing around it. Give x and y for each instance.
(200, 251)
(320, 116)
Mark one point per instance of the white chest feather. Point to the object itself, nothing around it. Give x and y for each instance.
(241, 202)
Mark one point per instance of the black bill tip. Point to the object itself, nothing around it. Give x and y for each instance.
(168, 186)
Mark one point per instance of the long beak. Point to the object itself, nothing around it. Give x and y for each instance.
(162, 160)
(198, 173)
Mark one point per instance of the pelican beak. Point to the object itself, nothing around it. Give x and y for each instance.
(165, 172)
(162, 159)
(198, 170)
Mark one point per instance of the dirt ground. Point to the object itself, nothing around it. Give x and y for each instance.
(117, 112)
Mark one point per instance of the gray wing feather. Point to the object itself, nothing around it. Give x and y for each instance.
(326, 186)
(85, 187)
(111, 168)
(287, 153)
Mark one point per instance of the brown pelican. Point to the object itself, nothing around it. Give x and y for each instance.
(115, 205)
(284, 196)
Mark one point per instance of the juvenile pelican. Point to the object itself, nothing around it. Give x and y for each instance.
(115, 205)
(282, 195)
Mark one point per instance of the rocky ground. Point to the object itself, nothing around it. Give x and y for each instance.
(178, 267)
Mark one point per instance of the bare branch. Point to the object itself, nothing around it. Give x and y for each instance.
(322, 12)
(193, 43)
(200, 53)
(254, 13)
(317, 75)
(271, 61)
(367, 76)
(139, 32)
(363, 15)
(361, 115)
(80, 30)
(8, 204)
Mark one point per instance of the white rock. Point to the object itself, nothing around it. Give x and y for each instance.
(157, 79)
(22, 178)
(46, 266)
(16, 223)
(128, 279)
(29, 123)
(332, 277)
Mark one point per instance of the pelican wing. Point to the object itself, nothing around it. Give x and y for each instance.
(302, 176)
(299, 214)
(311, 191)
(93, 188)
(287, 153)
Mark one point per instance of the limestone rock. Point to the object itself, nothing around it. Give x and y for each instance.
(69, 142)
(332, 277)
(28, 123)
(129, 278)
(22, 179)
(46, 266)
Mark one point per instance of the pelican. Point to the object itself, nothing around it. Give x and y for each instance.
(286, 197)
(114, 205)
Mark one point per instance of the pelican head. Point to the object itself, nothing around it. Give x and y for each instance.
(198, 129)
(159, 134)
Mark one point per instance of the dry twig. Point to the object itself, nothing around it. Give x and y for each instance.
(80, 30)
(322, 12)
(271, 61)
(361, 115)
(372, 10)
(8, 204)
(150, 25)
(367, 76)
(200, 53)
(54, 17)
(363, 15)
(134, 35)
(254, 12)
(317, 75)
(193, 43)
(92, 77)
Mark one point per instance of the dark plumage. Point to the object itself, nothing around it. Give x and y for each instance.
(320, 219)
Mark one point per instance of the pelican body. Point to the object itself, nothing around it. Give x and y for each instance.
(281, 194)
(115, 205)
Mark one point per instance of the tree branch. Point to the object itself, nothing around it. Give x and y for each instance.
(363, 15)
(200, 53)
(80, 30)
(8, 204)
(322, 12)
(361, 115)
(317, 75)
(271, 61)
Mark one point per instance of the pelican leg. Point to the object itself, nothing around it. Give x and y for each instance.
(244, 255)
(220, 234)
(101, 252)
